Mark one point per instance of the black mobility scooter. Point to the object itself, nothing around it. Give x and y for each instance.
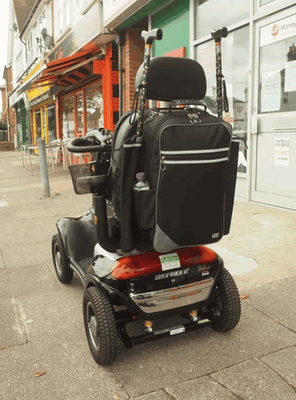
(163, 187)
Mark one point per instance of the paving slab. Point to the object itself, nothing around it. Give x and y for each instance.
(33, 279)
(204, 388)
(152, 366)
(67, 373)
(266, 235)
(253, 380)
(56, 346)
(283, 362)
(158, 395)
(28, 254)
(12, 332)
(277, 300)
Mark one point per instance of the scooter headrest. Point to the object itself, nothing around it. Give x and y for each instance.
(172, 78)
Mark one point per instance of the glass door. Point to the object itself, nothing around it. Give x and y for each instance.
(274, 118)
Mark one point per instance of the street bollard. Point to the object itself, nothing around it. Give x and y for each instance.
(43, 168)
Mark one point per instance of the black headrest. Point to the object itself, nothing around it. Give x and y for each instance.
(172, 78)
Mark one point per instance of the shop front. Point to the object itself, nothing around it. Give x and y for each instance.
(258, 63)
(82, 70)
(42, 114)
(23, 124)
(82, 110)
(274, 104)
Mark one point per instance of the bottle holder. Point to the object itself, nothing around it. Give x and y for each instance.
(144, 202)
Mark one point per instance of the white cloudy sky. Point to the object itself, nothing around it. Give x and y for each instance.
(4, 17)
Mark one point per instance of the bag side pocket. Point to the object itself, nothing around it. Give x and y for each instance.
(144, 201)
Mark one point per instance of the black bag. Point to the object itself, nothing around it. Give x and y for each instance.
(187, 164)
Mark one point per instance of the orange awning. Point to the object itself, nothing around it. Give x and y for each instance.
(67, 71)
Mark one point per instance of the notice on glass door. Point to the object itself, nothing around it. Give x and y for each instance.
(282, 151)
(290, 76)
(271, 91)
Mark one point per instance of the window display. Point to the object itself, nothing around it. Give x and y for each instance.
(68, 123)
(94, 107)
(79, 112)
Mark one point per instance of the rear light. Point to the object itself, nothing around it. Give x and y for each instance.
(149, 263)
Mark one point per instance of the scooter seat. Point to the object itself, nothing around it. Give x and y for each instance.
(94, 184)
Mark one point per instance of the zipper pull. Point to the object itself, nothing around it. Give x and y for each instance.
(162, 166)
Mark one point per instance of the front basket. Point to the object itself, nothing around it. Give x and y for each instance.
(81, 171)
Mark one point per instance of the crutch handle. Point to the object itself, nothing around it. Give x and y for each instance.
(220, 33)
(154, 34)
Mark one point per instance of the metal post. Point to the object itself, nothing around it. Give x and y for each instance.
(43, 168)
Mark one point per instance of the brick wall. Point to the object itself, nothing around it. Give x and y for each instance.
(4, 110)
(133, 53)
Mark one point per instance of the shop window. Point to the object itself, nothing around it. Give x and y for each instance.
(63, 15)
(19, 65)
(51, 123)
(68, 117)
(94, 107)
(264, 2)
(277, 84)
(29, 49)
(41, 25)
(235, 57)
(213, 14)
(38, 123)
(79, 113)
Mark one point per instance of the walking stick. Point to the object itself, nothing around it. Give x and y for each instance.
(155, 34)
(217, 36)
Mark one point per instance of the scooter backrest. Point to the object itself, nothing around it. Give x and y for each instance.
(172, 78)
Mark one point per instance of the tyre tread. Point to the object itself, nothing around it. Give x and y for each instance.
(106, 325)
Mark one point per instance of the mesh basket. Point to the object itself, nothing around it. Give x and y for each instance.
(80, 171)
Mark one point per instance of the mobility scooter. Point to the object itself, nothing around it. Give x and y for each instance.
(163, 187)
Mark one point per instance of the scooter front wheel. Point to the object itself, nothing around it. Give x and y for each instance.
(226, 308)
(100, 327)
(60, 260)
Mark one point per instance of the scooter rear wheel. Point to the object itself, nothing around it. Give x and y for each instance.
(100, 327)
(60, 260)
(226, 307)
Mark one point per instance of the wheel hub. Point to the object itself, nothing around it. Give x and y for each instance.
(92, 327)
(57, 258)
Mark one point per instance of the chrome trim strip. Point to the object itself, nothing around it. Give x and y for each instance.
(168, 299)
(175, 152)
(195, 161)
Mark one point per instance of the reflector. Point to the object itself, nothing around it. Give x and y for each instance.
(149, 263)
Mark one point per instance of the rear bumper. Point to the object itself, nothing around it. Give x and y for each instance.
(172, 298)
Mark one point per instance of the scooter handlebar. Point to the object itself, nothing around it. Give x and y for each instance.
(83, 144)
(154, 34)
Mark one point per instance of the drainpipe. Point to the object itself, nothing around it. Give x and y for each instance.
(120, 40)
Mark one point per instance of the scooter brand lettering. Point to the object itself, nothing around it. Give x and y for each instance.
(171, 274)
(203, 267)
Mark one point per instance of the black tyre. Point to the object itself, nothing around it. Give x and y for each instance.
(60, 260)
(226, 307)
(100, 325)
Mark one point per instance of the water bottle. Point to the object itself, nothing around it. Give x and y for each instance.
(141, 184)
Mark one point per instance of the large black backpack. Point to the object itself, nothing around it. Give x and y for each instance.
(189, 161)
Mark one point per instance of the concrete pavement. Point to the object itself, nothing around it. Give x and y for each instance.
(42, 331)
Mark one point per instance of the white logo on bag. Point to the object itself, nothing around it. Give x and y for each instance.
(194, 118)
